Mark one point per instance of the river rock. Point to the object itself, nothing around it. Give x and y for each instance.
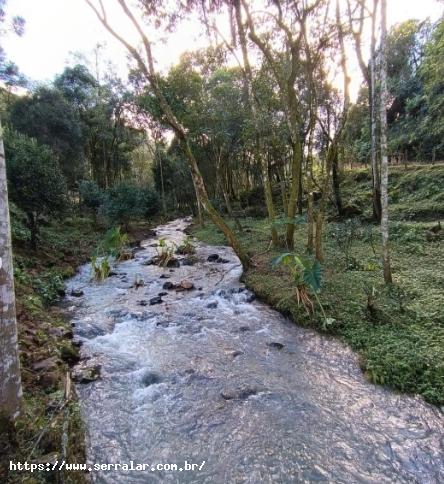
(186, 285)
(275, 345)
(142, 302)
(238, 393)
(168, 285)
(163, 293)
(164, 276)
(86, 375)
(156, 300)
(150, 378)
(77, 292)
(173, 263)
(212, 305)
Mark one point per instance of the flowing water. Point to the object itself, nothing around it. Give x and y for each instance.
(212, 375)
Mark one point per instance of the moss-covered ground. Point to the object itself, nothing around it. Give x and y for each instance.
(397, 330)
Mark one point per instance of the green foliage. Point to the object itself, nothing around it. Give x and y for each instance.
(165, 252)
(101, 268)
(186, 247)
(126, 201)
(307, 278)
(346, 235)
(112, 244)
(91, 195)
(36, 184)
(49, 118)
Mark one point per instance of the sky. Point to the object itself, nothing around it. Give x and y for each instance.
(55, 29)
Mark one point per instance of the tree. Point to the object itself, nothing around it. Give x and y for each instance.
(49, 118)
(10, 379)
(146, 67)
(126, 201)
(384, 156)
(36, 183)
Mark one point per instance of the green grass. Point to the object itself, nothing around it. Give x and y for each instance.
(400, 342)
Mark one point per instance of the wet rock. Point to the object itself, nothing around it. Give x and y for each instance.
(70, 354)
(213, 257)
(186, 285)
(150, 378)
(162, 324)
(275, 345)
(77, 344)
(156, 300)
(173, 262)
(164, 276)
(188, 261)
(148, 262)
(124, 279)
(168, 286)
(199, 289)
(86, 375)
(112, 274)
(244, 329)
(238, 393)
(77, 292)
(46, 365)
(235, 353)
(212, 305)
(117, 313)
(142, 302)
(163, 293)
(61, 292)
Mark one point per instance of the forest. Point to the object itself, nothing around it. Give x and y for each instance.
(307, 135)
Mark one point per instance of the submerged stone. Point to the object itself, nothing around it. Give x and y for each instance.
(156, 300)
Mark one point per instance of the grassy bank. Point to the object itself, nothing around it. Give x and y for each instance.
(398, 331)
(48, 423)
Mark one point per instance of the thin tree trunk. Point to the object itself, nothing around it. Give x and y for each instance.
(10, 381)
(372, 94)
(164, 210)
(384, 157)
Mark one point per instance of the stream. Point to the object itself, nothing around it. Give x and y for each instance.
(210, 374)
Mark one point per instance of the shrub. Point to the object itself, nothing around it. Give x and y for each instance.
(126, 201)
(91, 195)
(36, 183)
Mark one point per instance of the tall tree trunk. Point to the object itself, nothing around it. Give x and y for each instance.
(384, 157)
(162, 186)
(376, 181)
(10, 381)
